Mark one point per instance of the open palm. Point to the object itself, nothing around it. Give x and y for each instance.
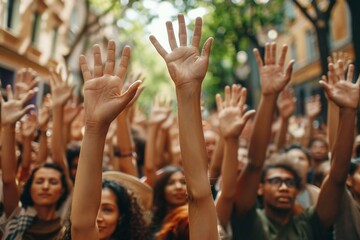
(184, 63)
(102, 91)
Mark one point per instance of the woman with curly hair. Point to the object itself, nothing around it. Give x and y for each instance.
(103, 209)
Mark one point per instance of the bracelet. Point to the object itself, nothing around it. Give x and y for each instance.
(130, 154)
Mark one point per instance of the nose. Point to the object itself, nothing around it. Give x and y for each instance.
(283, 186)
(99, 216)
(178, 185)
(45, 185)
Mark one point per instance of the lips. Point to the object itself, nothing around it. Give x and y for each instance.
(44, 195)
(284, 199)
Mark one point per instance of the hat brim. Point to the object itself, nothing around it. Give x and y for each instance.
(143, 191)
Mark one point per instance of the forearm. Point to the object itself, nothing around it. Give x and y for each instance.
(248, 182)
(280, 138)
(229, 174)
(333, 123)
(160, 142)
(192, 141)
(216, 161)
(150, 154)
(43, 147)
(26, 156)
(57, 147)
(87, 190)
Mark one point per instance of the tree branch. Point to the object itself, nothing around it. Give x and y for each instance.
(329, 9)
(305, 12)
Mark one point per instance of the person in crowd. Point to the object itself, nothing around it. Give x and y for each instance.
(187, 68)
(176, 225)
(308, 194)
(43, 193)
(277, 183)
(169, 193)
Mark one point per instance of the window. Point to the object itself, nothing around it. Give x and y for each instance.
(36, 29)
(10, 14)
(311, 45)
(54, 41)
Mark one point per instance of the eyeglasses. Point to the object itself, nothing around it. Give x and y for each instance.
(277, 182)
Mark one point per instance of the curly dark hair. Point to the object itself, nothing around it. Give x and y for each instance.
(25, 197)
(132, 224)
(159, 201)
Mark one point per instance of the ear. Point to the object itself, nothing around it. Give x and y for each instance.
(260, 190)
(349, 181)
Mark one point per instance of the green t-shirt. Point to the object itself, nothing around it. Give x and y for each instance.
(256, 226)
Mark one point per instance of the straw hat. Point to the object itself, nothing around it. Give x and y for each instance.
(142, 191)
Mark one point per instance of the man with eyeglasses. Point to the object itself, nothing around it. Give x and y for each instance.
(278, 183)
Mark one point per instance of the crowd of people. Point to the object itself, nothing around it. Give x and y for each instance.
(105, 170)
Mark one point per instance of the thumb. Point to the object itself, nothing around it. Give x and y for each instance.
(130, 93)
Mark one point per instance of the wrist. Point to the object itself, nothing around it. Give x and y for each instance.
(96, 128)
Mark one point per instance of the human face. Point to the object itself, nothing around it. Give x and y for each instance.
(46, 188)
(175, 190)
(210, 142)
(354, 183)
(242, 158)
(319, 151)
(108, 214)
(301, 159)
(279, 197)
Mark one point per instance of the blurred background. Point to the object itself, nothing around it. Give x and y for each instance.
(45, 34)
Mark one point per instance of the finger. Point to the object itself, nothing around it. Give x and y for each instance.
(326, 86)
(289, 70)
(273, 53)
(205, 52)
(9, 92)
(258, 58)
(242, 98)
(234, 94)
(26, 109)
(341, 70)
(182, 30)
(98, 68)
(197, 33)
(249, 114)
(138, 92)
(350, 73)
(227, 96)
(329, 59)
(283, 56)
(124, 63)
(110, 59)
(219, 104)
(331, 74)
(130, 93)
(171, 35)
(358, 81)
(158, 46)
(267, 54)
(27, 97)
(53, 79)
(84, 68)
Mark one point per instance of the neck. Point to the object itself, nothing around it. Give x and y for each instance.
(45, 212)
(281, 216)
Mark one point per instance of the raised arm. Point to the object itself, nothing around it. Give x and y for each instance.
(345, 95)
(11, 111)
(273, 80)
(103, 102)
(187, 69)
(232, 118)
(286, 106)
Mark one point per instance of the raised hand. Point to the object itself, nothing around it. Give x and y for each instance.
(160, 111)
(60, 90)
(272, 76)
(286, 103)
(29, 125)
(231, 111)
(185, 64)
(25, 81)
(44, 113)
(71, 110)
(102, 89)
(313, 106)
(340, 56)
(341, 91)
(12, 109)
